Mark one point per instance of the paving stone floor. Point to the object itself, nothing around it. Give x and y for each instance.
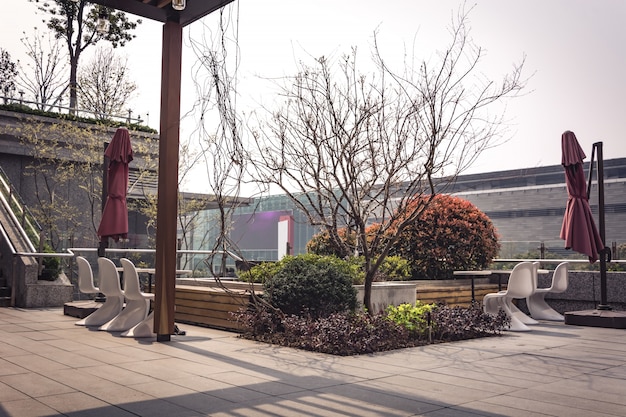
(51, 367)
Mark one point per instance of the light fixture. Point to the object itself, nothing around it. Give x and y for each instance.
(179, 4)
(103, 24)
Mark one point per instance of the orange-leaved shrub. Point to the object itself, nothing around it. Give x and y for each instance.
(322, 244)
(451, 234)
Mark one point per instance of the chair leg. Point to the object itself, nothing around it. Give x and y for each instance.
(516, 324)
(134, 312)
(521, 316)
(107, 311)
(540, 310)
(143, 329)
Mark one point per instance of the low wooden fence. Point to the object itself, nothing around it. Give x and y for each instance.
(212, 306)
(209, 306)
(454, 294)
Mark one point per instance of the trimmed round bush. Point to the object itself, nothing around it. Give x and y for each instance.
(451, 234)
(311, 285)
(322, 244)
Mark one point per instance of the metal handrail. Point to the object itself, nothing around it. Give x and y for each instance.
(38, 106)
(16, 222)
(12, 196)
(71, 252)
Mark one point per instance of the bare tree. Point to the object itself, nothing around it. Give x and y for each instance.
(214, 149)
(351, 150)
(61, 153)
(65, 171)
(47, 70)
(76, 24)
(104, 84)
(218, 133)
(8, 72)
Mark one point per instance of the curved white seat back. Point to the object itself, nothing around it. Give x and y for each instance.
(522, 280)
(85, 277)
(559, 278)
(109, 278)
(109, 285)
(131, 280)
(536, 266)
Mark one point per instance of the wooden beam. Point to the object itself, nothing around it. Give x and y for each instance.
(167, 200)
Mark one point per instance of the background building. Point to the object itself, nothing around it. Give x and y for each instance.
(525, 205)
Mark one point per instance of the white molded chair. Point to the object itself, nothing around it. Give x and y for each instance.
(145, 326)
(85, 277)
(143, 329)
(536, 302)
(521, 285)
(521, 316)
(109, 286)
(137, 302)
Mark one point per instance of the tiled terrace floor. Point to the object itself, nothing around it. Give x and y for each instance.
(50, 367)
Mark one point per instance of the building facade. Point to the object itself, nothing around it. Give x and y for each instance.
(525, 205)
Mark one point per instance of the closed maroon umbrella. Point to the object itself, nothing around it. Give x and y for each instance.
(578, 230)
(114, 222)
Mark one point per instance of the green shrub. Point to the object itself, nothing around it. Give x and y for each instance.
(415, 318)
(451, 234)
(311, 285)
(394, 268)
(260, 273)
(51, 266)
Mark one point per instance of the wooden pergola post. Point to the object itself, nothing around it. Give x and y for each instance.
(167, 203)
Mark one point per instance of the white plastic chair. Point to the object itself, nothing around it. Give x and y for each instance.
(109, 285)
(521, 316)
(536, 302)
(85, 277)
(143, 328)
(521, 285)
(137, 302)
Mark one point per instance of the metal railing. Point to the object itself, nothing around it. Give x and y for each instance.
(553, 249)
(21, 213)
(59, 109)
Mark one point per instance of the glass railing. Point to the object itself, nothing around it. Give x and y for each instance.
(553, 252)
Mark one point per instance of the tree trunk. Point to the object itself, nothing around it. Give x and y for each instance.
(73, 83)
(367, 293)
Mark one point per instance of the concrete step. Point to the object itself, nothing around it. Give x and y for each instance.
(80, 309)
(5, 292)
(5, 301)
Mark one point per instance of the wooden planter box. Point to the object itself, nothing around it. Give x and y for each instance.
(453, 292)
(209, 306)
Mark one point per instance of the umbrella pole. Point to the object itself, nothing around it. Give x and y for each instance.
(104, 242)
(604, 252)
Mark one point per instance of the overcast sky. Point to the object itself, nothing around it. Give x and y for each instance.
(575, 52)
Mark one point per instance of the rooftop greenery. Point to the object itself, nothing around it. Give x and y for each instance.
(21, 108)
